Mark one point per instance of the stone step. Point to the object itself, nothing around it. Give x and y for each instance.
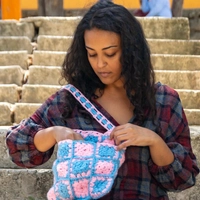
(9, 93)
(190, 98)
(11, 75)
(161, 46)
(159, 61)
(6, 113)
(14, 43)
(24, 110)
(156, 27)
(175, 78)
(175, 62)
(48, 58)
(179, 79)
(47, 75)
(8, 58)
(17, 28)
(37, 93)
(193, 116)
(53, 43)
(179, 47)
(24, 184)
(33, 184)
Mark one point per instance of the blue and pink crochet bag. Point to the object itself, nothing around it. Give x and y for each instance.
(86, 169)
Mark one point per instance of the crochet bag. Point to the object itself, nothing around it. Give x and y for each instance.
(86, 169)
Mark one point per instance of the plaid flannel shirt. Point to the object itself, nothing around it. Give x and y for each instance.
(138, 178)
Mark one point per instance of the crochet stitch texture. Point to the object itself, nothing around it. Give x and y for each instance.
(85, 169)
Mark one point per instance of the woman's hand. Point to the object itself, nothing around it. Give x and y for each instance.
(47, 138)
(63, 133)
(133, 135)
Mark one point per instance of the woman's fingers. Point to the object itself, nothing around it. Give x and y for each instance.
(64, 133)
(117, 131)
(77, 136)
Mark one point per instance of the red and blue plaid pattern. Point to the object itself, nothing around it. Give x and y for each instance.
(138, 178)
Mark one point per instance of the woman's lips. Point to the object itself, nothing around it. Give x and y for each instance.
(104, 74)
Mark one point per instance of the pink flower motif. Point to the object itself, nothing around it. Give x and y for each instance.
(83, 149)
(51, 195)
(62, 169)
(104, 167)
(81, 188)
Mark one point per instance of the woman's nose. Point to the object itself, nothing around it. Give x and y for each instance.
(100, 62)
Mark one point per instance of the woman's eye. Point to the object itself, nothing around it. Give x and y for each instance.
(110, 55)
(93, 55)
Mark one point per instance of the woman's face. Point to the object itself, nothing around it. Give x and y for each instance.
(104, 53)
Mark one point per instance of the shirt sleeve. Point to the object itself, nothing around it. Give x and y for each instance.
(20, 138)
(180, 174)
(145, 6)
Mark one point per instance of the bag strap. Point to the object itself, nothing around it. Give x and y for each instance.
(89, 107)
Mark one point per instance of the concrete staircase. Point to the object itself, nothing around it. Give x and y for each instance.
(31, 53)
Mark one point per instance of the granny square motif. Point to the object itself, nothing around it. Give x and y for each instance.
(86, 169)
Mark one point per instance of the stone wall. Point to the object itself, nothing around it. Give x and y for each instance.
(194, 21)
(192, 14)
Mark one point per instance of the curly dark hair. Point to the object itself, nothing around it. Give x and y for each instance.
(137, 69)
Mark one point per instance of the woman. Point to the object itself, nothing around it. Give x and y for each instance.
(109, 62)
(160, 8)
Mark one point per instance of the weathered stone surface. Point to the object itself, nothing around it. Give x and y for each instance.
(165, 28)
(37, 20)
(175, 28)
(25, 184)
(5, 160)
(188, 194)
(5, 113)
(37, 93)
(179, 79)
(9, 28)
(27, 29)
(160, 46)
(190, 98)
(52, 26)
(195, 35)
(159, 61)
(13, 43)
(9, 93)
(24, 110)
(193, 116)
(194, 20)
(46, 75)
(8, 58)
(11, 75)
(48, 58)
(54, 43)
(164, 46)
(15, 28)
(175, 62)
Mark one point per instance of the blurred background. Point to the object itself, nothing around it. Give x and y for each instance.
(15, 9)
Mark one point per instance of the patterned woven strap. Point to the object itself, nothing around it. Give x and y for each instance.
(89, 107)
